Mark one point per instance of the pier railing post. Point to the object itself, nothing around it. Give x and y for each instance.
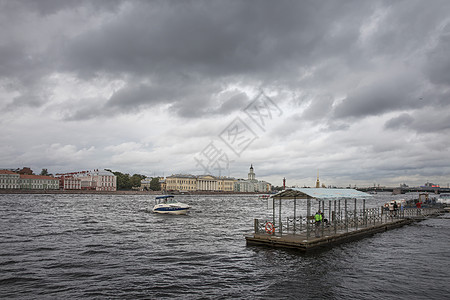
(295, 215)
(340, 214)
(322, 223)
(364, 212)
(380, 212)
(279, 218)
(301, 222)
(256, 224)
(346, 216)
(355, 216)
(334, 218)
(308, 213)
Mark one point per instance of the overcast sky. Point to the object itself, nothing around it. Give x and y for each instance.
(357, 90)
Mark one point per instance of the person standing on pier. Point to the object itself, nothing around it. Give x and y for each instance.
(395, 208)
(318, 219)
(391, 209)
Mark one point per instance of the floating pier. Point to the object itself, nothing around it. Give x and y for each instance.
(342, 222)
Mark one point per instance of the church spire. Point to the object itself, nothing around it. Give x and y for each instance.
(317, 182)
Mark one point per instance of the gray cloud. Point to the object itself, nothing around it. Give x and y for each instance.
(438, 63)
(400, 121)
(349, 67)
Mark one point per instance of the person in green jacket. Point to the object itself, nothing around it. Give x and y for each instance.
(318, 219)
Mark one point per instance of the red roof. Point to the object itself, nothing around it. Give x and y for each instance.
(7, 172)
(25, 176)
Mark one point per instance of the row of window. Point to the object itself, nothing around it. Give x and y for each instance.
(107, 178)
(9, 180)
(8, 186)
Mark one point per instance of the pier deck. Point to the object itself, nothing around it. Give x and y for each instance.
(330, 236)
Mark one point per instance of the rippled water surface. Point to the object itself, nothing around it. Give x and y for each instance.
(100, 246)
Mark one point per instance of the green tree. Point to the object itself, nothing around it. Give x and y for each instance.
(44, 172)
(154, 184)
(135, 180)
(123, 181)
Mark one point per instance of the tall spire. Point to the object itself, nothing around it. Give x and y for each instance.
(251, 174)
(317, 182)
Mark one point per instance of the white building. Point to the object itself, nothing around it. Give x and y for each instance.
(9, 180)
(251, 185)
(68, 181)
(98, 180)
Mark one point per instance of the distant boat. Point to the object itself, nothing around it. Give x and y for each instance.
(444, 199)
(168, 205)
(263, 197)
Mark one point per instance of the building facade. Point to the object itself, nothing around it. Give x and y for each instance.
(38, 182)
(145, 184)
(68, 181)
(181, 182)
(187, 183)
(97, 180)
(251, 184)
(9, 180)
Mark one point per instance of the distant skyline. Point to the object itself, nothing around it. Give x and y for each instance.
(357, 90)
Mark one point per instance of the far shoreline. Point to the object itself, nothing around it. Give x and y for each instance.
(120, 192)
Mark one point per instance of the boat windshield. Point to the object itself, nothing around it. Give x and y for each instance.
(165, 200)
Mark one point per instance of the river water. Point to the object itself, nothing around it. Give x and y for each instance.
(111, 246)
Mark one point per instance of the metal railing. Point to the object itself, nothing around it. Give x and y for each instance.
(341, 221)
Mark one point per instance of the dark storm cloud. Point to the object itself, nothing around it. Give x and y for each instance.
(212, 42)
(265, 42)
(401, 121)
(232, 102)
(387, 93)
(214, 38)
(182, 96)
(438, 65)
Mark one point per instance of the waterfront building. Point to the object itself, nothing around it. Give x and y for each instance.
(213, 183)
(181, 182)
(9, 180)
(187, 182)
(38, 182)
(251, 184)
(69, 181)
(98, 180)
(145, 184)
(162, 184)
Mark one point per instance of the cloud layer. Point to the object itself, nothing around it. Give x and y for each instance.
(146, 86)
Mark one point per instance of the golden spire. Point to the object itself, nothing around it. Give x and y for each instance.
(317, 182)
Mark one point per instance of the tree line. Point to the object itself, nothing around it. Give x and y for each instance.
(127, 182)
(124, 181)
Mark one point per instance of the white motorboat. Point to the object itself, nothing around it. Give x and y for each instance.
(168, 205)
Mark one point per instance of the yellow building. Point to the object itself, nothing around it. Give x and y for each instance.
(181, 182)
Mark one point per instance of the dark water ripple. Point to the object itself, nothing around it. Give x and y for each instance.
(111, 247)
